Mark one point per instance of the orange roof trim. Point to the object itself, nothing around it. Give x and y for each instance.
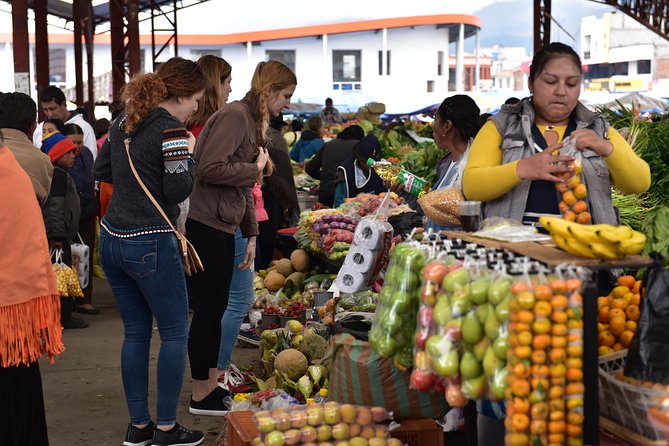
(284, 33)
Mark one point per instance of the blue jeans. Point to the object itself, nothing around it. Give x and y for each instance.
(147, 278)
(239, 303)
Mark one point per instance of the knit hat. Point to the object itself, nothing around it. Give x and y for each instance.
(56, 145)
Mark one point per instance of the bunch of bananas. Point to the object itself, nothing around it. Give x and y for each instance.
(607, 242)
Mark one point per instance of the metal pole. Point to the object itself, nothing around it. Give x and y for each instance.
(78, 59)
(41, 51)
(89, 33)
(21, 46)
(133, 37)
(459, 58)
(117, 47)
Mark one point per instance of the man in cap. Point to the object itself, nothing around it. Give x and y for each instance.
(354, 176)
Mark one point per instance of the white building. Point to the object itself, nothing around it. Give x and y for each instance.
(404, 62)
(620, 55)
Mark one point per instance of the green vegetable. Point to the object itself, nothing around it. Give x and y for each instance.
(422, 161)
(305, 386)
(656, 228)
(317, 373)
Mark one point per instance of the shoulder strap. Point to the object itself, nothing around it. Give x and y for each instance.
(146, 190)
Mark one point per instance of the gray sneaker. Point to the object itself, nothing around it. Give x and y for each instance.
(178, 436)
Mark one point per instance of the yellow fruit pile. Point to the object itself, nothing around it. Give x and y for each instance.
(618, 314)
(544, 394)
(594, 241)
(67, 281)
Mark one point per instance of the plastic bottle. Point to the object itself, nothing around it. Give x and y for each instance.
(322, 396)
(411, 183)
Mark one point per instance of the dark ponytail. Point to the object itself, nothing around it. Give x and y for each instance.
(463, 112)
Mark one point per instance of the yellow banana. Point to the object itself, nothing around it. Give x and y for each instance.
(613, 234)
(632, 245)
(585, 234)
(605, 251)
(579, 249)
(557, 226)
(561, 242)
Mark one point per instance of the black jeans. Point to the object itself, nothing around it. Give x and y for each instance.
(22, 417)
(209, 292)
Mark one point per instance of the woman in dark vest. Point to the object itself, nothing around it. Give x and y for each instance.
(354, 177)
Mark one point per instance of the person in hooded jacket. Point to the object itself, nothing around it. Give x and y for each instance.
(310, 142)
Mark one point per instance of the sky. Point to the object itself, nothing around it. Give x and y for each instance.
(229, 16)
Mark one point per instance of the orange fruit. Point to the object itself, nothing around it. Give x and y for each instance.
(559, 330)
(555, 393)
(603, 315)
(541, 326)
(562, 187)
(525, 317)
(569, 215)
(539, 410)
(631, 326)
(520, 422)
(619, 291)
(558, 342)
(602, 327)
(580, 191)
(543, 292)
(558, 286)
(606, 339)
(575, 363)
(575, 351)
(557, 355)
(540, 370)
(520, 388)
(525, 300)
(575, 418)
(574, 389)
(556, 427)
(603, 301)
(618, 346)
(517, 287)
(523, 351)
(617, 325)
(538, 427)
(543, 309)
(637, 287)
(538, 357)
(524, 338)
(539, 383)
(559, 301)
(633, 312)
(541, 341)
(564, 207)
(574, 430)
(517, 439)
(580, 206)
(573, 284)
(619, 303)
(558, 370)
(559, 317)
(574, 374)
(616, 312)
(626, 338)
(584, 218)
(556, 438)
(521, 405)
(574, 181)
(636, 299)
(603, 350)
(627, 281)
(520, 371)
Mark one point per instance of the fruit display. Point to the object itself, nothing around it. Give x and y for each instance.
(544, 394)
(394, 323)
(601, 241)
(572, 192)
(321, 423)
(617, 315)
(461, 333)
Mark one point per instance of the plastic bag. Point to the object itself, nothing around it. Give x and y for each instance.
(648, 354)
(573, 193)
(441, 206)
(80, 259)
(395, 318)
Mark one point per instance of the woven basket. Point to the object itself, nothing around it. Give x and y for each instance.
(625, 403)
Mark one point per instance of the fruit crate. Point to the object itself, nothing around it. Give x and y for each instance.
(624, 403)
(238, 430)
(421, 432)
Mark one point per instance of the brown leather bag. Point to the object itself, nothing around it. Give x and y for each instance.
(190, 258)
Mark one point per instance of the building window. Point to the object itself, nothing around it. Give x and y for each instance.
(195, 54)
(57, 71)
(346, 65)
(451, 79)
(286, 57)
(643, 67)
(587, 42)
(440, 63)
(430, 86)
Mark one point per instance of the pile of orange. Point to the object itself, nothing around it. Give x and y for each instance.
(544, 395)
(618, 314)
(574, 196)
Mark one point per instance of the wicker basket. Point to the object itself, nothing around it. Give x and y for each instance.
(624, 403)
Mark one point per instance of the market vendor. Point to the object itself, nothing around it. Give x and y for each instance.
(354, 177)
(513, 167)
(456, 123)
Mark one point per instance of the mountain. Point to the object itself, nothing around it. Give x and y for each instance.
(510, 23)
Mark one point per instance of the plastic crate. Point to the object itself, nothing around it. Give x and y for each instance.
(625, 404)
(240, 430)
(422, 432)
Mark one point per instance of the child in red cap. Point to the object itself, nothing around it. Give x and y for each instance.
(60, 148)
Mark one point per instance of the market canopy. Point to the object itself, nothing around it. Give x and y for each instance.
(640, 101)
